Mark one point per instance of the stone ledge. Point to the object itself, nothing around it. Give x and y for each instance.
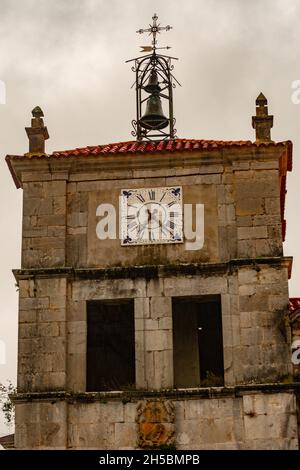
(150, 271)
(179, 394)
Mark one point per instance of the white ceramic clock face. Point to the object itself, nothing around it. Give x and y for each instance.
(151, 215)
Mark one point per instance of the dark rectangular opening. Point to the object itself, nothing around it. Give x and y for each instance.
(197, 342)
(110, 345)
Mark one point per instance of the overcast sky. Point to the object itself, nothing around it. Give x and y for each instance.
(68, 56)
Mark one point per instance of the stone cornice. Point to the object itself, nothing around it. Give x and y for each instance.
(49, 167)
(150, 271)
(135, 395)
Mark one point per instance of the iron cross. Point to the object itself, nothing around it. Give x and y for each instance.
(154, 29)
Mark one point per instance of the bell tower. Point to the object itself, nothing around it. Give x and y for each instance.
(153, 289)
(154, 85)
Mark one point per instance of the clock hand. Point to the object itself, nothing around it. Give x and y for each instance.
(164, 229)
(142, 228)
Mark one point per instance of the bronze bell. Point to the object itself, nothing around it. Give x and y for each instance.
(152, 85)
(154, 117)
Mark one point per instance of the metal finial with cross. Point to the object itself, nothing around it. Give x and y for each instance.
(154, 83)
(154, 29)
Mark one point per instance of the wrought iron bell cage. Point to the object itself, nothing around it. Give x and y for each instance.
(144, 68)
(154, 85)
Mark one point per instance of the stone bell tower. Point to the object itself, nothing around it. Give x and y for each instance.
(154, 293)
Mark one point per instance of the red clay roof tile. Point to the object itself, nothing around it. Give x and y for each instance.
(153, 147)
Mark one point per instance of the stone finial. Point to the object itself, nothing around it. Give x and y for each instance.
(37, 133)
(262, 122)
(37, 112)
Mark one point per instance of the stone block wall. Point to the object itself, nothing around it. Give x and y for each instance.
(258, 339)
(255, 337)
(41, 425)
(241, 200)
(44, 223)
(64, 265)
(249, 421)
(42, 334)
(257, 204)
(53, 329)
(255, 421)
(249, 211)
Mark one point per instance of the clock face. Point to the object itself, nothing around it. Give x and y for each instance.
(151, 215)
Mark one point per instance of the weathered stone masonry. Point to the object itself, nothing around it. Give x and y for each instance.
(64, 265)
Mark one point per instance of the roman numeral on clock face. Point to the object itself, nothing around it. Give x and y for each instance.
(152, 195)
(170, 227)
(140, 198)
